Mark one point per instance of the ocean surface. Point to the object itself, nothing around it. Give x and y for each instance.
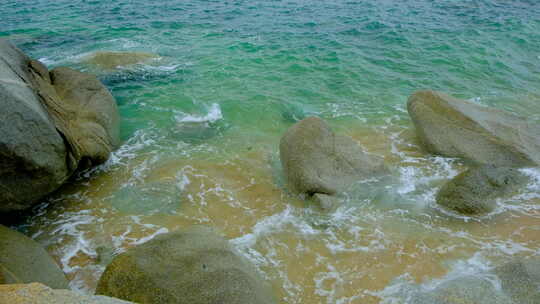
(201, 124)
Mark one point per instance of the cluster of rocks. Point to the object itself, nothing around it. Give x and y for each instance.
(493, 142)
(195, 266)
(319, 164)
(54, 123)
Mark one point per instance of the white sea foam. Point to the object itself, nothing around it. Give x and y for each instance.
(47, 61)
(214, 114)
(149, 237)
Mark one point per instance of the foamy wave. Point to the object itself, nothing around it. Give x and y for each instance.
(127, 151)
(214, 114)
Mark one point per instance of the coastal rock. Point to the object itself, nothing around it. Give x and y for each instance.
(196, 267)
(458, 128)
(113, 60)
(32, 152)
(464, 290)
(521, 280)
(86, 114)
(36, 293)
(22, 260)
(51, 124)
(317, 161)
(474, 192)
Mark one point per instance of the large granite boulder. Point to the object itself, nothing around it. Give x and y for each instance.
(36, 293)
(196, 267)
(475, 191)
(22, 260)
(319, 163)
(458, 128)
(87, 116)
(32, 152)
(51, 124)
(521, 280)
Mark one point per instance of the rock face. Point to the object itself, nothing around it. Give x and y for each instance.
(521, 280)
(195, 267)
(50, 125)
(458, 128)
(86, 114)
(22, 260)
(36, 293)
(474, 192)
(113, 60)
(317, 161)
(32, 152)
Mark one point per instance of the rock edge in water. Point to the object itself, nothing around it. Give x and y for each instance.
(36, 293)
(23, 260)
(475, 191)
(320, 164)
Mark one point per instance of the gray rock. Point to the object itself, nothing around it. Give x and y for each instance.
(32, 152)
(474, 192)
(315, 160)
(521, 280)
(196, 267)
(86, 114)
(36, 293)
(51, 124)
(458, 128)
(22, 260)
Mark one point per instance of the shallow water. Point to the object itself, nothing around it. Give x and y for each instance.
(201, 127)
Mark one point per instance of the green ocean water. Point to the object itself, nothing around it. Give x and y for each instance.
(266, 61)
(232, 77)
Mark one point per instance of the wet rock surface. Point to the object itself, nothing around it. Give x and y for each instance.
(195, 266)
(458, 128)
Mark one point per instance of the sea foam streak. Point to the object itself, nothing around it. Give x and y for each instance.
(214, 114)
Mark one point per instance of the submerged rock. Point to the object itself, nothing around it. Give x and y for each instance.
(22, 260)
(50, 125)
(196, 132)
(521, 280)
(474, 192)
(196, 267)
(36, 293)
(317, 161)
(160, 197)
(458, 128)
(464, 290)
(113, 60)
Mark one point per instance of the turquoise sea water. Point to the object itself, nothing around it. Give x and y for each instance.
(201, 127)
